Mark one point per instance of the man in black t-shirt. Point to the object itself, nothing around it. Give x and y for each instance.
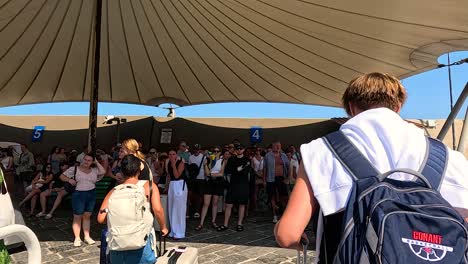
(238, 169)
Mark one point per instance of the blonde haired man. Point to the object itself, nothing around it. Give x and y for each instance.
(373, 102)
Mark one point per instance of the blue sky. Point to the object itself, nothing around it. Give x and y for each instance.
(428, 98)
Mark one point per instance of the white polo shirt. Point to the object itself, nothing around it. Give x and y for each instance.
(388, 142)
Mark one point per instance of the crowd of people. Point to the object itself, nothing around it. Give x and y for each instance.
(196, 180)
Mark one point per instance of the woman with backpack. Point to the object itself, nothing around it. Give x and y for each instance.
(127, 209)
(177, 195)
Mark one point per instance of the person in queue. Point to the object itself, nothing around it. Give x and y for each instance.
(132, 147)
(84, 179)
(130, 169)
(177, 195)
(214, 187)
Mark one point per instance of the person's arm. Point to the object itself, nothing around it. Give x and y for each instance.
(49, 178)
(264, 170)
(291, 173)
(31, 162)
(101, 169)
(157, 208)
(178, 170)
(296, 217)
(102, 214)
(463, 212)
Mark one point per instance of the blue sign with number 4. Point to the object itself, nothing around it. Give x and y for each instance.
(37, 133)
(256, 134)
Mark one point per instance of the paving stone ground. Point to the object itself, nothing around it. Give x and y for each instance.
(254, 245)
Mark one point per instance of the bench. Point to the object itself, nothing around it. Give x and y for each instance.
(102, 188)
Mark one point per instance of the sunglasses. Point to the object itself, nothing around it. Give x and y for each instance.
(152, 152)
(216, 150)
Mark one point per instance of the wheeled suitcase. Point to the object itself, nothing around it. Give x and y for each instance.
(305, 245)
(176, 255)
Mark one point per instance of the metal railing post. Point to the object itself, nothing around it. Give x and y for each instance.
(453, 113)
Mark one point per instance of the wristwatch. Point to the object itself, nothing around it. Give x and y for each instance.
(105, 210)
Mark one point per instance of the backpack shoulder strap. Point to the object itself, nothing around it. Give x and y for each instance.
(435, 163)
(349, 156)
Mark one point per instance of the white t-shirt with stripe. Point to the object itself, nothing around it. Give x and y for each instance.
(388, 142)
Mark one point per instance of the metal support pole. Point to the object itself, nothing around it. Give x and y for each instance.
(153, 121)
(94, 94)
(451, 98)
(453, 113)
(461, 144)
(118, 131)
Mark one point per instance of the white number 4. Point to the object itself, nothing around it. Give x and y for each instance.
(256, 134)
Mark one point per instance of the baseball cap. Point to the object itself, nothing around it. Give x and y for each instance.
(197, 147)
(239, 146)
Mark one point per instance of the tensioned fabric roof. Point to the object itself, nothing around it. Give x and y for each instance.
(203, 51)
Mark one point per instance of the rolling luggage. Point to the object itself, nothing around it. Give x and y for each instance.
(175, 255)
(303, 259)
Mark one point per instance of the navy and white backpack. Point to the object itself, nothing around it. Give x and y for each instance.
(390, 221)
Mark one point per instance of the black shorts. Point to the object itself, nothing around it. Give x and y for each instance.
(238, 193)
(215, 186)
(276, 187)
(44, 187)
(197, 186)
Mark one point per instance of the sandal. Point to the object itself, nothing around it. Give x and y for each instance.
(239, 228)
(198, 228)
(222, 228)
(214, 225)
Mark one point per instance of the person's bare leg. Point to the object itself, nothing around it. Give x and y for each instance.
(241, 214)
(43, 200)
(33, 202)
(227, 214)
(214, 208)
(76, 226)
(86, 224)
(206, 205)
(29, 196)
(58, 201)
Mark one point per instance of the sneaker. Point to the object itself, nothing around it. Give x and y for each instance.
(41, 214)
(275, 219)
(48, 216)
(196, 215)
(89, 240)
(77, 242)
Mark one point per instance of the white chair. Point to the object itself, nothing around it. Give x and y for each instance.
(28, 237)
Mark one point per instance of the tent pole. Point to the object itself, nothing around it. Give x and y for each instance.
(461, 142)
(453, 113)
(94, 94)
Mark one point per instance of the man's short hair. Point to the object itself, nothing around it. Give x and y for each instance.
(374, 90)
(130, 166)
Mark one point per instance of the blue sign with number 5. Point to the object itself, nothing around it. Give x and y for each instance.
(256, 134)
(38, 132)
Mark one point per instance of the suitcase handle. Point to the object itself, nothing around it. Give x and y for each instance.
(305, 244)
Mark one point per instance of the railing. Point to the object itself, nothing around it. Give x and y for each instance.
(29, 239)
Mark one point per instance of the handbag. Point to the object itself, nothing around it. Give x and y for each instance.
(67, 186)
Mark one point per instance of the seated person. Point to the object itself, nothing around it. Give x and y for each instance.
(39, 184)
(56, 186)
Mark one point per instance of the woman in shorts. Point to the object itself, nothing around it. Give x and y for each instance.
(214, 187)
(39, 184)
(84, 179)
(55, 186)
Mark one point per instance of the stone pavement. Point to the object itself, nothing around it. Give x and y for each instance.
(255, 244)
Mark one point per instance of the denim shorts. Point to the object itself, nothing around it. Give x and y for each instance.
(144, 255)
(83, 201)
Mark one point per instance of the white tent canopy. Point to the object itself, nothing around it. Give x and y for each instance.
(202, 51)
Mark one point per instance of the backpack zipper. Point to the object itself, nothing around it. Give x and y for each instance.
(384, 184)
(381, 233)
